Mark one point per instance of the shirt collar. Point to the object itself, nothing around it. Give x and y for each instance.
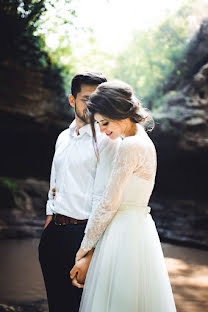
(85, 129)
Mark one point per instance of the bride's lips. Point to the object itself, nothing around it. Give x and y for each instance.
(108, 134)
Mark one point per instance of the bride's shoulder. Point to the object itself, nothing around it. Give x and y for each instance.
(132, 145)
(137, 144)
(133, 141)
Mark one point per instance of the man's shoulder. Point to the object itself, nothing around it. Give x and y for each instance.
(62, 136)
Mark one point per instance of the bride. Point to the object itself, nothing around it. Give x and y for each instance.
(127, 272)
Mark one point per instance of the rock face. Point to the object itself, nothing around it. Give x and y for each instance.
(37, 306)
(197, 53)
(32, 114)
(185, 114)
(181, 222)
(178, 221)
(181, 132)
(24, 215)
(181, 138)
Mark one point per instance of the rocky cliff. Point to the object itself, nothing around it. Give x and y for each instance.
(181, 132)
(181, 137)
(32, 114)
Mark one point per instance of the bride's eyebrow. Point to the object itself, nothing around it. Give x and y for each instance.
(101, 120)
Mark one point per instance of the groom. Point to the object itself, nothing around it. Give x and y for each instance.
(79, 179)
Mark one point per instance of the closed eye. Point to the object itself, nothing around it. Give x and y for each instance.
(106, 123)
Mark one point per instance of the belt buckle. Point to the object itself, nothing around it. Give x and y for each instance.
(56, 223)
(75, 221)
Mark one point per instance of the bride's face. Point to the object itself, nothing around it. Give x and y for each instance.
(112, 128)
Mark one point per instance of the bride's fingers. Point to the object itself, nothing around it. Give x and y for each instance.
(76, 284)
(73, 272)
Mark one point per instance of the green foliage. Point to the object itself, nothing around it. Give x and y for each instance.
(154, 62)
(24, 44)
(8, 191)
(93, 57)
(18, 20)
(8, 184)
(62, 62)
(19, 24)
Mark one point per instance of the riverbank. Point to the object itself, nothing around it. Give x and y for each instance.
(37, 306)
(22, 214)
(178, 222)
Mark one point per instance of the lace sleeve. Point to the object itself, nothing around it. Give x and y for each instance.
(130, 156)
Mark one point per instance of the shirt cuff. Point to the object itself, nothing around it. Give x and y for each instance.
(49, 207)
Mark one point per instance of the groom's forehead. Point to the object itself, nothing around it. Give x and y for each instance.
(86, 90)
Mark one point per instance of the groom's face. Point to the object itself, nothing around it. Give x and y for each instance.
(79, 103)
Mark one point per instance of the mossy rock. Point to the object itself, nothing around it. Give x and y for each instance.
(8, 191)
(6, 308)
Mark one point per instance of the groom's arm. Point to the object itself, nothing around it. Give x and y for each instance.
(52, 188)
(79, 270)
(50, 201)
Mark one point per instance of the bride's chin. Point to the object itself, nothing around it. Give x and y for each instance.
(115, 136)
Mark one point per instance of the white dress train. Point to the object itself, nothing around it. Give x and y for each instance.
(127, 272)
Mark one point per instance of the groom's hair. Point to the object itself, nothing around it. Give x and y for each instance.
(91, 78)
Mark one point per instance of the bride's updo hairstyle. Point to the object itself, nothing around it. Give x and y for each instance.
(116, 101)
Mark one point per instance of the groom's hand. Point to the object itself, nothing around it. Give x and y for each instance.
(76, 283)
(54, 192)
(79, 270)
(48, 220)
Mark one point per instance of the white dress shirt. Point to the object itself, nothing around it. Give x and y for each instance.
(77, 175)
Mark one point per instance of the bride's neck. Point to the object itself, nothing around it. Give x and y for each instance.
(131, 129)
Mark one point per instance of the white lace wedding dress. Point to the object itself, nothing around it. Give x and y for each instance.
(127, 272)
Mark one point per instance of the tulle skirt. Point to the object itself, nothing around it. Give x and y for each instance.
(127, 271)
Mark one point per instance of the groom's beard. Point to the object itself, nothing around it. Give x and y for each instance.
(82, 117)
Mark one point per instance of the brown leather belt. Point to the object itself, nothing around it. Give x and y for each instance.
(64, 220)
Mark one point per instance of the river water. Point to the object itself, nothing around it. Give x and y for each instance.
(21, 279)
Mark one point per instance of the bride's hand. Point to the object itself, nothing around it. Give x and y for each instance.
(80, 254)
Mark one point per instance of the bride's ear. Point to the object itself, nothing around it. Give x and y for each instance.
(71, 100)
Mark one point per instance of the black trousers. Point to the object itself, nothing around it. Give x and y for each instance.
(57, 250)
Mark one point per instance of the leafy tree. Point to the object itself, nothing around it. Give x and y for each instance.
(154, 62)
(18, 20)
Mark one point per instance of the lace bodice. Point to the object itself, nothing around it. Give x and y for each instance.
(131, 180)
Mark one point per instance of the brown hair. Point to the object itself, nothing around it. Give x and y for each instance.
(116, 101)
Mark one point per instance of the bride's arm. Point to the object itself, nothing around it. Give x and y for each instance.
(130, 156)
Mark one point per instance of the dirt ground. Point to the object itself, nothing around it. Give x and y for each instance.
(188, 272)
